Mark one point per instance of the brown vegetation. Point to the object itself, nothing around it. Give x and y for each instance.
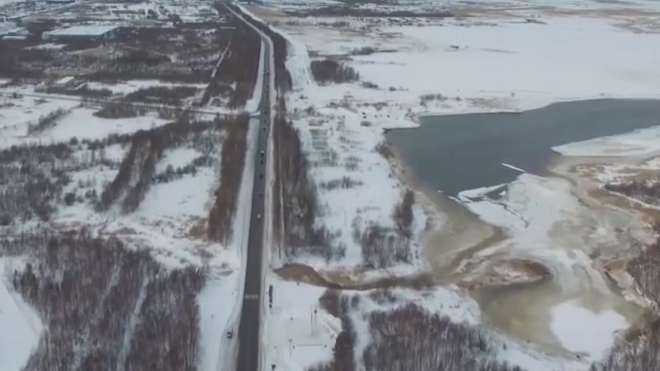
(283, 81)
(47, 121)
(408, 338)
(185, 54)
(328, 70)
(295, 204)
(240, 64)
(231, 173)
(645, 268)
(403, 214)
(137, 170)
(106, 306)
(639, 349)
(647, 191)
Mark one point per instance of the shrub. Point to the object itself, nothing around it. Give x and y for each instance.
(403, 214)
(69, 198)
(328, 70)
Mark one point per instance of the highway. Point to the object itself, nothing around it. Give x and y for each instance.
(249, 326)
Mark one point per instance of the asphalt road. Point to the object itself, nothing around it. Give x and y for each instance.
(248, 330)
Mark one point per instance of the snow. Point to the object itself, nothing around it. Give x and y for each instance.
(581, 330)
(216, 302)
(20, 324)
(470, 194)
(90, 30)
(80, 122)
(252, 105)
(83, 124)
(65, 80)
(346, 120)
(596, 61)
(501, 64)
(636, 143)
(186, 197)
(127, 87)
(513, 167)
(297, 338)
(547, 224)
(177, 157)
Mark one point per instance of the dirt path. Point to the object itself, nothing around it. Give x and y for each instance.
(339, 281)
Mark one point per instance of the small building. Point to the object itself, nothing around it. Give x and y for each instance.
(65, 82)
(81, 33)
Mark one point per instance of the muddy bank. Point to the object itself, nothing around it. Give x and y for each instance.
(453, 233)
(350, 280)
(517, 287)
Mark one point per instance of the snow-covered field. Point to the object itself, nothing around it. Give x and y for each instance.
(170, 221)
(510, 56)
(20, 324)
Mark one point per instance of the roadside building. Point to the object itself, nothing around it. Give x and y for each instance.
(81, 33)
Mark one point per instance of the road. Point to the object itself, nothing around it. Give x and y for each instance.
(249, 326)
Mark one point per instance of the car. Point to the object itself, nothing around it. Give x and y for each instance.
(230, 334)
(262, 153)
(258, 216)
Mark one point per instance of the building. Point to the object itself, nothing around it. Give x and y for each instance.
(81, 33)
(65, 82)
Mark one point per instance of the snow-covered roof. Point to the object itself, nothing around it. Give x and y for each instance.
(64, 80)
(92, 30)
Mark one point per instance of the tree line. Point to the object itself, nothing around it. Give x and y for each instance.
(137, 169)
(409, 338)
(106, 305)
(232, 162)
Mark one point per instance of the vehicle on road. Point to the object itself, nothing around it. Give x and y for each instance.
(258, 216)
(230, 334)
(262, 153)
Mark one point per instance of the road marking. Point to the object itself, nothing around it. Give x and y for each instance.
(251, 297)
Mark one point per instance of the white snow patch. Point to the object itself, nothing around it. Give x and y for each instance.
(513, 167)
(636, 143)
(186, 197)
(581, 330)
(127, 87)
(296, 338)
(468, 195)
(20, 324)
(216, 302)
(177, 157)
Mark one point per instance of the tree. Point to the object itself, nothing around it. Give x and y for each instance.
(70, 198)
